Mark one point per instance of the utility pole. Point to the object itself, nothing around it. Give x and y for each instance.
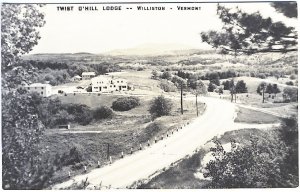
(107, 152)
(181, 98)
(197, 105)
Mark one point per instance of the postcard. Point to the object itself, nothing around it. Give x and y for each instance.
(149, 95)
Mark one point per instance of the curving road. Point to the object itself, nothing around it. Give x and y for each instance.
(217, 119)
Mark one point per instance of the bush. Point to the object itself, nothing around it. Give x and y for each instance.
(102, 112)
(293, 77)
(160, 106)
(167, 86)
(241, 87)
(89, 89)
(166, 75)
(75, 156)
(211, 87)
(125, 103)
(289, 83)
(290, 94)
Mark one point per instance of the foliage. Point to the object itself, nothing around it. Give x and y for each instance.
(22, 166)
(287, 9)
(103, 112)
(261, 87)
(89, 89)
(293, 77)
(250, 33)
(215, 81)
(167, 86)
(290, 94)
(166, 75)
(74, 156)
(254, 165)
(269, 88)
(211, 87)
(19, 27)
(160, 106)
(289, 83)
(226, 84)
(125, 103)
(154, 74)
(197, 86)
(241, 87)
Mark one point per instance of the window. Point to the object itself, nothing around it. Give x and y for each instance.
(41, 92)
(121, 81)
(35, 87)
(105, 87)
(123, 86)
(114, 85)
(42, 87)
(28, 88)
(95, 87)
(117, 81)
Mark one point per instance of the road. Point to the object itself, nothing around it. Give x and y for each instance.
(218, 118)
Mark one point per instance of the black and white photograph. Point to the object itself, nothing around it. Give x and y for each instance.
(149, 95)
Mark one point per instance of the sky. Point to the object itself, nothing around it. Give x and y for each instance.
(104, 31)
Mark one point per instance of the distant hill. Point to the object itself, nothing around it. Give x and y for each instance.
(153, 49)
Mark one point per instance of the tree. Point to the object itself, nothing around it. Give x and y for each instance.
(276, 89)
(258, 164)
(154, 74)
(160, 106)
(22, 165)
(289, 9)
(211, 87)
(261, 90)
(290, 94)
(232, 89)
(199, 88)
(251, 33)
(19, 32)
(269, 89)
(241, 87)
(226, 85)
(166, 75)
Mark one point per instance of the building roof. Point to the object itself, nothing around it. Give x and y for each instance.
(38, 85)
(88, 73)
(77, 76)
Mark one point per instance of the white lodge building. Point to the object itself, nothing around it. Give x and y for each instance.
(88, 75)
(105, 84)
(44, 90)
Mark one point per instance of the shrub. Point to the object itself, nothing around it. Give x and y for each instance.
(166, 75)
(289, 83)
(290, 94)
(102, 112)
(167, 86)
(293, 77)
(89, 89)
(160, 106)
(125, 103)
(241, 87)
(211, 87)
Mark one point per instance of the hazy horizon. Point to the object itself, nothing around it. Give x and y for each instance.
(107, 31)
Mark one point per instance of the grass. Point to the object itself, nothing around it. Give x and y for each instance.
(251, 116)
(181, 176)
(124, 131)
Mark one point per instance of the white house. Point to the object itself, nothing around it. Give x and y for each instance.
(76, 78)
(44, 90)
(88, 75)
(106, 84)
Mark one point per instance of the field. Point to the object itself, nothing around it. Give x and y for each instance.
(131, 128)
(124, 131)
